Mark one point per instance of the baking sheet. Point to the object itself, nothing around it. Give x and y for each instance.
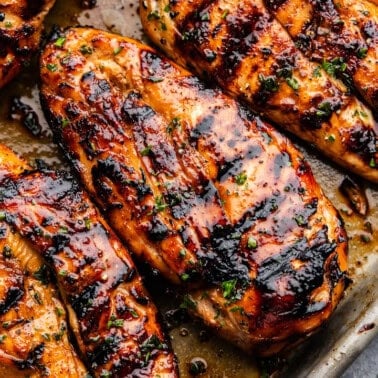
(355, 321)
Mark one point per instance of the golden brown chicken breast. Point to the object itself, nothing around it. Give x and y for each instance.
(113, 320)
(20, 32)
(198, 187)
(244, 49)
(34, 334)
(342, 36)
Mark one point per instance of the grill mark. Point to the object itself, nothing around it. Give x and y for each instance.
(243, 31)
(298, 284)
(274, 5)
(96, 295)
(14, 294)
(32, 358)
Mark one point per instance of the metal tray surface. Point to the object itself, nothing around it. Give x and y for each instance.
(355, 322)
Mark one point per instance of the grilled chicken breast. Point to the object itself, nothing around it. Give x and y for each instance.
(33, 337)
(342, 36)
(242, 47)
(198, 187)
(113, 320)
(20, 32)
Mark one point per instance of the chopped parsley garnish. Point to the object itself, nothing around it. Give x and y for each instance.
(52, 67)
(173, 125)
(241, 178)
(160, 205)
(268, 83)
(334, 66)
(362, 52)
(228, 288)
(324, 109)
(154, 15)
(65, 122)
(146, 151)
(292, 82)
(42, 274)
(330, 138)
(185, 277)
(60, 41)
(317, 72)
(252, 243)
(114, 322)
(86, 50)
(188, 303)
(117, 50)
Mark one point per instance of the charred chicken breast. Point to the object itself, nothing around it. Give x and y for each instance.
(342, 36)
(198, 187)
(112, 318)
(34, 333)
(21, 23)
(244, 49)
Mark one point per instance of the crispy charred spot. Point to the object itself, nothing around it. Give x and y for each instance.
(274, 5)
(24, 112)
(98, 88)
(120, 174)
(134, 113)
(203, 127)
(104, 351)
(14, 294)
(157, 230)
(243, 31)
(363, 140)
(281, 161)
(223, 259)
(32, 360)
(370, 30)
(277, 277)
(32, 8)
(154, 68)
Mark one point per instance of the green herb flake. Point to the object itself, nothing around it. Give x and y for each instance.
(241, 178)
(225, 14)
(42, 274)
(52, 67)
(182, 253)
(154, 15)
(268, 83)
(185, 277)
(362, 52)
(205, 16)
(252, 243)
(86, 50)
(8, 24)
(188, 303)
(300, 220)
(372, 163)
(2, 338)
(228, 288)
(317, 72)
(63, 273)
(160, 205)
(173, 125)
(292, 82)
(88, 223)
(167, 8)
(65, 122)
(59, 311)
(324, 109)
(146, 151)
(114, 322)
(6, 325)
(117, 50)
(330, 138)
(60, 41)
(2, 215)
